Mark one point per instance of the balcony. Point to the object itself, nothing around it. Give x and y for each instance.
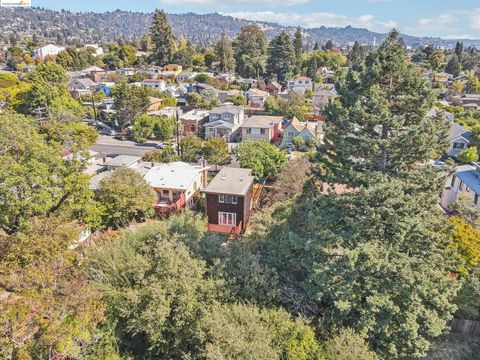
(165, 207)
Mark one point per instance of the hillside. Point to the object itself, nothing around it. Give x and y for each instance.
(71, 27)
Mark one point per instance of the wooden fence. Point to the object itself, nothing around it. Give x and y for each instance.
(466, 327)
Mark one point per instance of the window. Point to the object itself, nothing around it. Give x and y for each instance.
(290, 134)
(249, 130)
(262, 131)
(211, 130)
(227, 199)
(229, 219)
(459, 146)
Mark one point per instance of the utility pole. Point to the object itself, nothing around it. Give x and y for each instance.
(178, 132)
(94, 110)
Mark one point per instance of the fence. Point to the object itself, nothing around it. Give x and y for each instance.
(466, 327)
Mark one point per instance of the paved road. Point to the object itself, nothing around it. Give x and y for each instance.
(107, 144)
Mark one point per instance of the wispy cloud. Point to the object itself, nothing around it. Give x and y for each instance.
(230, 3)
(316, 19)
(475, 18)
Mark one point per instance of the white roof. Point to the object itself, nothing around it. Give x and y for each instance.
(177, 175)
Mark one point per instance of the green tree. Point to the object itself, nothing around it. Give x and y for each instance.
(266, 334)
(48, 91)
(382, 123)
(298, 48)
(126, 197)
(215, 152)
(130, 102)
(347, 345)
(143, 127)
(356, 57)
(237, 99)
(224, 54)
(454, 66)
(468, 155)
(190, 148)
(281, 58)
(473, 85)
(251, 48)
(167, 155)
(375, 289)
(312, 69)
(48, 308)
(164, 128)
(388, 224)
(36, 180)
(162, 38)
(156, 294)
(265, 159)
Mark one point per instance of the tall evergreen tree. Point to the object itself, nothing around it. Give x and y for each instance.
(312, 69)
(381, 124)
(281, 58)
(298, 47)
(372, 241)
(459, 48)
(162, 38)
(251, 49)
(454, 66)
(356, 56)
(224, 54)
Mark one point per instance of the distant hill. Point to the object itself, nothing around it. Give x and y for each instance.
(68, 27)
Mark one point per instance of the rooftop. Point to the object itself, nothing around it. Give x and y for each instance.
(262, 121)
(231, 109)
(231, 181)
(177, 175)
(123, 160)
(470, 176)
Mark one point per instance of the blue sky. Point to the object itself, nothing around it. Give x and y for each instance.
(445, 18)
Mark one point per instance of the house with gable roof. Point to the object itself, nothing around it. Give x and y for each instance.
(307, 130)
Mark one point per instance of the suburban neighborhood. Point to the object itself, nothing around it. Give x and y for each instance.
(215, 187)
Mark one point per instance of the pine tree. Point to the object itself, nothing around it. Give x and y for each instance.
(381, 124)
(382, 246)
(224, 54)
(356, 56)
(281, 58)
(454, 66)
(459, 49)
(298, 46)
(162, 38)
(312, 70)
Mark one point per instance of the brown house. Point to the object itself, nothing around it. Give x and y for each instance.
(229, 201)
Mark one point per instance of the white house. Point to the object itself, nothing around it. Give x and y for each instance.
(154, 84)
(466, 180)
(300, 82)
(176, 183)
(126, 71)
(48, 50)
(225, 122)
(256, 97)
(306, 130)
(82, 84)
(459, 138)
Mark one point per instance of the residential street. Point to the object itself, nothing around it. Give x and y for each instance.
(107, 144)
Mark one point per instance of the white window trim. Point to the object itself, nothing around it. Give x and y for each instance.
(231, 219)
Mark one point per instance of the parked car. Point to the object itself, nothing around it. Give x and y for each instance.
(161, 146)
